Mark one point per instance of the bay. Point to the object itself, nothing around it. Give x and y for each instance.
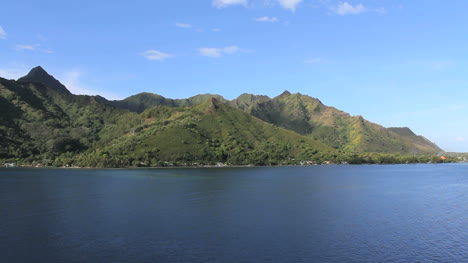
(371, 213)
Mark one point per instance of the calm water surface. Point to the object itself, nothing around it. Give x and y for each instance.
(394, 213)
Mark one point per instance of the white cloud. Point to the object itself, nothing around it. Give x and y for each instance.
(218, 52)
(72, 80)
(267, 19)
(231, 50)
(36, 47)
(345, 8)
(290, 4)
(2, 33)
(20, 47)
(156, 55)
(14, 72)
(182, 25)
(216, 30)
(226, 3)
(210, 52)
(460, 139)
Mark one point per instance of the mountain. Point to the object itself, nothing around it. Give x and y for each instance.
(39, 75)
(423, 144)
(42, 121)
(142, 101)
(308, 116)
(247, 102)
(208, 133)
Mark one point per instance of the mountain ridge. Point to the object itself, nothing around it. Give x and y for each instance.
(45, 121)
(309, 116)
(39, 75)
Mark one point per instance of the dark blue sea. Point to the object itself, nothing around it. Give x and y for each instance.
(370, 213)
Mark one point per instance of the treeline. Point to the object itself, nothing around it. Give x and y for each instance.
(103, 159)
(45, 125)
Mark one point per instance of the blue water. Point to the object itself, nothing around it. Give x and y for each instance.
(389, 213)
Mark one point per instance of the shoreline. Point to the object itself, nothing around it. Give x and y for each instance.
(212, 166)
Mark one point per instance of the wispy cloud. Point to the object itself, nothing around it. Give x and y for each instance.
(460, 139)
(3, 34)
(216, 30)
(290, 4)
(345, 8)
(21, 47)
(156, 55)
(219, 52)
(73, 80)
(14, 72)
(183, 25)
(35, 47)
(226, 3)
(267, 19)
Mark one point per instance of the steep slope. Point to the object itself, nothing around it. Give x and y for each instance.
(145, 100)
(39, 75)
(197, 99)
(309, 116)
(142, 101)
(41, 122)
(208, 133)
(247, 102)
(418, 141)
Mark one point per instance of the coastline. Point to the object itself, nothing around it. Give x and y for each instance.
(213, 166)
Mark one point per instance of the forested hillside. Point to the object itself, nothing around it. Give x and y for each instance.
(42, 122)
(307, 116)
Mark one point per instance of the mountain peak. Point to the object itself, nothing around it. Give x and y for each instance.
(210, 106)
(36, 73)
(39, 75)
(38, 70)
(285, 93)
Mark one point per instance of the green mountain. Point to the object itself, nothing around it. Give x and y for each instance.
(208, 133)
(247, 102)
(310, 117)
(142, 101)
(42, 121)
(418, 141)
(39, 75)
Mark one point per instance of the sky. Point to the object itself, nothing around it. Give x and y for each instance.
(396, 63)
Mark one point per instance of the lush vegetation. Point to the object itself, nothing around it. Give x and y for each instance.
(41, 122)
(309, 117)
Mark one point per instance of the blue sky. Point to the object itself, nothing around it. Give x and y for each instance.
(397, 63)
